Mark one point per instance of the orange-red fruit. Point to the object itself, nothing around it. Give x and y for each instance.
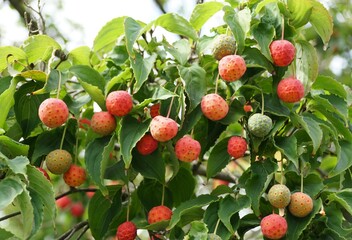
(84, 123)
(119, 103)
(247, 108)
(155, 110)
(53, 112)
(232, 67)
(126, 231)
(103, 123)
(290, 90)
(218, 182)
(77, 209)
(236, 147)
(282, 52)
(163, 129)
(158, 214)
(187, 149)
(147, 144)
(273, 226)
(301, 204)
(63, 202)
(44, 172)
(214, 106)
(75, 176)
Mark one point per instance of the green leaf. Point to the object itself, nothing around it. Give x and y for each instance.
(182, 186)
(264, 33)
(313, 184)
(132, 32)
(27, 215)
(131, 132)
(218, 158)
(300, 12)
(80, 56)
(7, 101)
(255, 59)
(106, 39)
(336, 221)
(344, 160)
(55, 77)
(18, 165)
(174, 23)
(141, 69)
(119, 79)
(6, 235)
(13, 187)
(198, 231)
(202, 12)
(288, 146)
(307, 67)
(9, 54)
(181, 50)
(343, 197)
(11, 148)
(196, 85)
(321, 21)
(262, 4)
(275, 106)
(329, 84)
(333, 104)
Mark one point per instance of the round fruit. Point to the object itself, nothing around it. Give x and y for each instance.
(290, 90)
(77, 209)
(158, 214)
(187, 149)
(63, 202)
(301, 204)
(75, 176)
(53, 112)
(218, 182)
(223, 45)
(214, 106)
(155, 110)
(282, 52)
(44, 173)
(58, 161)
(163, 128)
(232, 68)
(236, 147)
(259, 125)
(273, 226)
(103, 123)
(84, 123)
(119, 103)
(247, 108)
(126, 231)
(279, 196)
(147, 144)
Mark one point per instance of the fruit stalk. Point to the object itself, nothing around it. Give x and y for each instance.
(63, 137)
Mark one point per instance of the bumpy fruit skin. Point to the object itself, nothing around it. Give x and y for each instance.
(158, 214)
(126, 231)
(119, 103)
(147, 144)
(223, 45)
(290, 90)
(273, 226)
(58, 161)
(163, 129)
(75, 176)
(103, 123)
(279, 196)
(236, 147)
(155, 110)
(301, 204)
(77, 209)
(187, 149)
(63, 202)
(259, 125)
(232, 68)
(282, 52)
(44, 173)
(53, 112)
(214, 106)
(247, 108)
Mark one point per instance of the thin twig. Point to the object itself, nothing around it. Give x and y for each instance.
(73, 230)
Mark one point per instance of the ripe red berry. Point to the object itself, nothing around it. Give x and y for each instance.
(90, 194)
(126, 231)
(75, 176)
(103, 123)
(77, 209)
(301, 204)
(147, 144)
(119, 103)
(247, 107)
(214, 106)
(163, 129)
(187, 149)
(236, 147)
(273, 226)
(63, 202)
(53, 112)
(232, 68)
(44, 172)
(218, 182)
(282, 52)
(290, 90)
(155, 110)
(159, 213)
(84, 123)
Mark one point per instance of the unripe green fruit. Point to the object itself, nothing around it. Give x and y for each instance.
(279, 196)
(58, 161)
(259, 125)
(223, 45)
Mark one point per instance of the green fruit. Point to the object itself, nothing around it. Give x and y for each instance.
(58, 161)
(279, 196)
(259, 125)
(223, 45)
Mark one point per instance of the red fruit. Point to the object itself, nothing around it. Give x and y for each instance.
(301, 204)
(75, 176)
(53, 112)
(44, 172)
(155, 110)
(282, 52)
(247, 108)
(273, 226)
(90, 194)
(77, 209)
(214, 106)
(119, 103)
(217, 182)
(103, 123)
(187, 149)
(290, 90)
(158, 214)
(126, 231)
(236, 147)
(147, 144)
(163, 129)
(84, 123)
(63, 202)
(232, 67)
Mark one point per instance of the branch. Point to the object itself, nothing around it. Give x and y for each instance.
(200, 170)
(27, 18)
(160, 5)
(73, 230)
